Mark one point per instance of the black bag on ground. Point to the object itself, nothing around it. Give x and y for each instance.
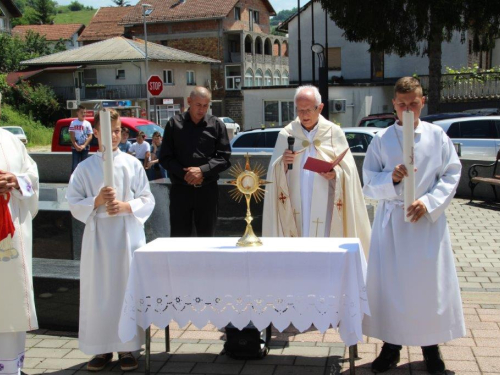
(249, 343)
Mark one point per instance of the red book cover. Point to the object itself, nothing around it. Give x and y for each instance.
(321, 166)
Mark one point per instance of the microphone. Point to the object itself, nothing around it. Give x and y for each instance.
(291, 141)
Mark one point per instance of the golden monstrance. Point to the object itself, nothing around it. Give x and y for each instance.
(248, 183)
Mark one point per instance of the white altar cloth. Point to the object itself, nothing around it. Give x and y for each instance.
(302, 281)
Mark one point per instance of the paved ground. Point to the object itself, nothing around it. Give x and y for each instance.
(475, 231)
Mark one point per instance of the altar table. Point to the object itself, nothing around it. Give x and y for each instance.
(299, 281)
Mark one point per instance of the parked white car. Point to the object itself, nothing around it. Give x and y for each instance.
(18, 132)
(264, 140)
(475, 137)
(231, 124)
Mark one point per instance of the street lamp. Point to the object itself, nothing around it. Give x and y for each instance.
(147, 9)
(319, 50)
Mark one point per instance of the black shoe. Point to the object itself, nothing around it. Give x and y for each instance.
(387, 359)
(99, 362)
(433, 360)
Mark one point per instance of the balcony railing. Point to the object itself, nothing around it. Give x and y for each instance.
(467, 86)
(118, 92)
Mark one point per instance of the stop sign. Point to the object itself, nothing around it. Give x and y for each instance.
(155, 85)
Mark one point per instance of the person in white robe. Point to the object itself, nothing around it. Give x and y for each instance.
(18, 207)
(114, 228)
(412, 285)
(302, 203)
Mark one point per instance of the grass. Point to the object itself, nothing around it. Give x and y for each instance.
(81, 16)
(38, 135)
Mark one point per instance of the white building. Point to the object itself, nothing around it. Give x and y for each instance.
(352, 61)
(114, 69)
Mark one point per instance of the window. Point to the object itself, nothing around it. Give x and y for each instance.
(249, 78)
(247, 140)
(454, 130)
(190, 79)
(277, 78)
(90, 76)
(258, 78)
(268, 79)
(237, 13)
(334, 58)
(120, 73)
(255, 16)
(287, 112)
(479, 129)
(168, 77)
(278, 112)
(284, 78)
(358, 142)
(270, 139)
(271, 113)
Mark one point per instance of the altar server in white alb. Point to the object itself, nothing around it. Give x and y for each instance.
(114, 227)
(412, 285)
(18, 206)
(302, 203)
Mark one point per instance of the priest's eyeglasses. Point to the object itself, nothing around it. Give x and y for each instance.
(306, 111)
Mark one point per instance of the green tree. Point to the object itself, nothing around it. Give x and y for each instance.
(13, 50)
(75, 6)
(46, 10)
(412, 27)
(121, 3)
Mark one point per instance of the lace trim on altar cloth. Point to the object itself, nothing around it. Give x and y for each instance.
(290, 308)
(12, 366)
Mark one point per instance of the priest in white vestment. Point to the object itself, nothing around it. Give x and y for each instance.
(412, 285)
(18, 206)
(107, 247)
(302, 203)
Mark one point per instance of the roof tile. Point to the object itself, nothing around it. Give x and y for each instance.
(51, 32)
(105, 24)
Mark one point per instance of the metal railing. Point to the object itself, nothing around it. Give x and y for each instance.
(119, 92)
(467, 86)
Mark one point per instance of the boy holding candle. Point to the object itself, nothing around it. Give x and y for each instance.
(412, 284)
(108, 212)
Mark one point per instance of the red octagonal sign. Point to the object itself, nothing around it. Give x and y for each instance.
(155, 85)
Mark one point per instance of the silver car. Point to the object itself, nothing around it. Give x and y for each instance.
(474, 137)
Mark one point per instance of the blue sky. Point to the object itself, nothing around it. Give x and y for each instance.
(277, 4)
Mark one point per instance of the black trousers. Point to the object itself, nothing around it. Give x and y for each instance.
(198, 205)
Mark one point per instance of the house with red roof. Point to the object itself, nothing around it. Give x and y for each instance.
(104, 25)
(67, 33)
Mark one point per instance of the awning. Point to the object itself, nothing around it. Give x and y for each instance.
(14, 77)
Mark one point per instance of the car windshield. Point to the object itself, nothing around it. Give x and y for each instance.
(16, 131)
(150, 129)
(377, 122)
(229, 120)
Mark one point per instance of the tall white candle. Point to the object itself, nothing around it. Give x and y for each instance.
(409, 159)
(107, 153)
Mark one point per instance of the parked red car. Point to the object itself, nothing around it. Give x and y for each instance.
(61, 141)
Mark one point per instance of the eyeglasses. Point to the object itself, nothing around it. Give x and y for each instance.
(306, 111)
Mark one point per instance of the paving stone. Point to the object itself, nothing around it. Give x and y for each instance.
(60, 363)
(192, 348)
(306, 351)
(47, 353)
(299, 370)
(177, 367)
(216, 368)
(250, 369)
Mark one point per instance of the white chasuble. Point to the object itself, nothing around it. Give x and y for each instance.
(303, 203)
(412, 284)
(17, 306)
(107, 248)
